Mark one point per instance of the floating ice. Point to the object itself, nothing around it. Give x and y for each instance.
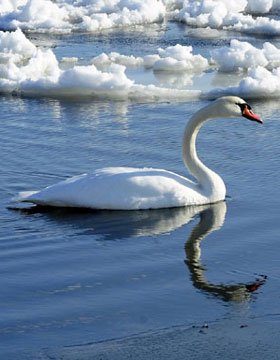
(71, 15)
(116, 58)
(8, 6)
(29, 70)
(208, 12)
(242, 56)
(127, 13)
(239, 56)
(179, 58)
(263, 66)
(261, 6)
(173, 58)
(150, 60)
(33, 15)
(87, 15)
(204, 33)
(235, 15)
(260, 83)
(16, 46)
(26, 69)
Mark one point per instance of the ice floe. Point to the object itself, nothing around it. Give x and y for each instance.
(87, 15)
(30, 70)
(104, 60)
(261, 67)
(241, 55)
(34, 15)
(262, 6)
(179, 58)
(174, 58)
(260, 83)
(230, 15)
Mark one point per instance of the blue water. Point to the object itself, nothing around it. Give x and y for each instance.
(74, 277)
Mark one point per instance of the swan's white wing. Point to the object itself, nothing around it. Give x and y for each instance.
(120, 188)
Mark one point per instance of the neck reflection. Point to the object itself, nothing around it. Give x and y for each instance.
(212, 219)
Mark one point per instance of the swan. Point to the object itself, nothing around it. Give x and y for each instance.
(127, 188)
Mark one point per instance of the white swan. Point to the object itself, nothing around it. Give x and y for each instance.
(125, 188)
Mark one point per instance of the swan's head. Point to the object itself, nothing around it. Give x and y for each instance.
(234, 106)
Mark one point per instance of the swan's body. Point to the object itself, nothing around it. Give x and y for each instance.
(121, 188)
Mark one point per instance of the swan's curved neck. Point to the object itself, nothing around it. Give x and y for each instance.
(209, 183)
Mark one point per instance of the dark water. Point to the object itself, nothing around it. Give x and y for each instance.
(73, 277)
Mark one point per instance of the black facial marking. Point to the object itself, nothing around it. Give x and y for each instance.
(243, 106)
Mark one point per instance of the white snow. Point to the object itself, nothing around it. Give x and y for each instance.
(179, 58)
(237, 15)
(26, 69)
(173, 58)
(260, 83)
(262, 79)
(116, 58)
(262, 6)
(34, 15)
(242, 56)
(87, 15)
(175, 72)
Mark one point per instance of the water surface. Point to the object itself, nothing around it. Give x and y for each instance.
(77, 277)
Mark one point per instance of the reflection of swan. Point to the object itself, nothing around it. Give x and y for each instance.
(112, 225)
(133, 188)
(117, 225)
(212, 219)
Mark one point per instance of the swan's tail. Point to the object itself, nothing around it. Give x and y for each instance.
(24, 196)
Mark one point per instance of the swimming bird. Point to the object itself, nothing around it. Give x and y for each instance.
(127, 188)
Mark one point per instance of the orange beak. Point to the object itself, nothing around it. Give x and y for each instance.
(248, 113)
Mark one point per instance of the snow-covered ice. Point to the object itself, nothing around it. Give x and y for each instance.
(234, 15)
(88, 15)
(241, 55)
(26, 69)
(172, 72)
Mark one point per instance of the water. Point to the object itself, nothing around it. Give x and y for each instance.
(77, 277)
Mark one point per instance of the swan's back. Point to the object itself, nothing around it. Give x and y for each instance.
(120, 188)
